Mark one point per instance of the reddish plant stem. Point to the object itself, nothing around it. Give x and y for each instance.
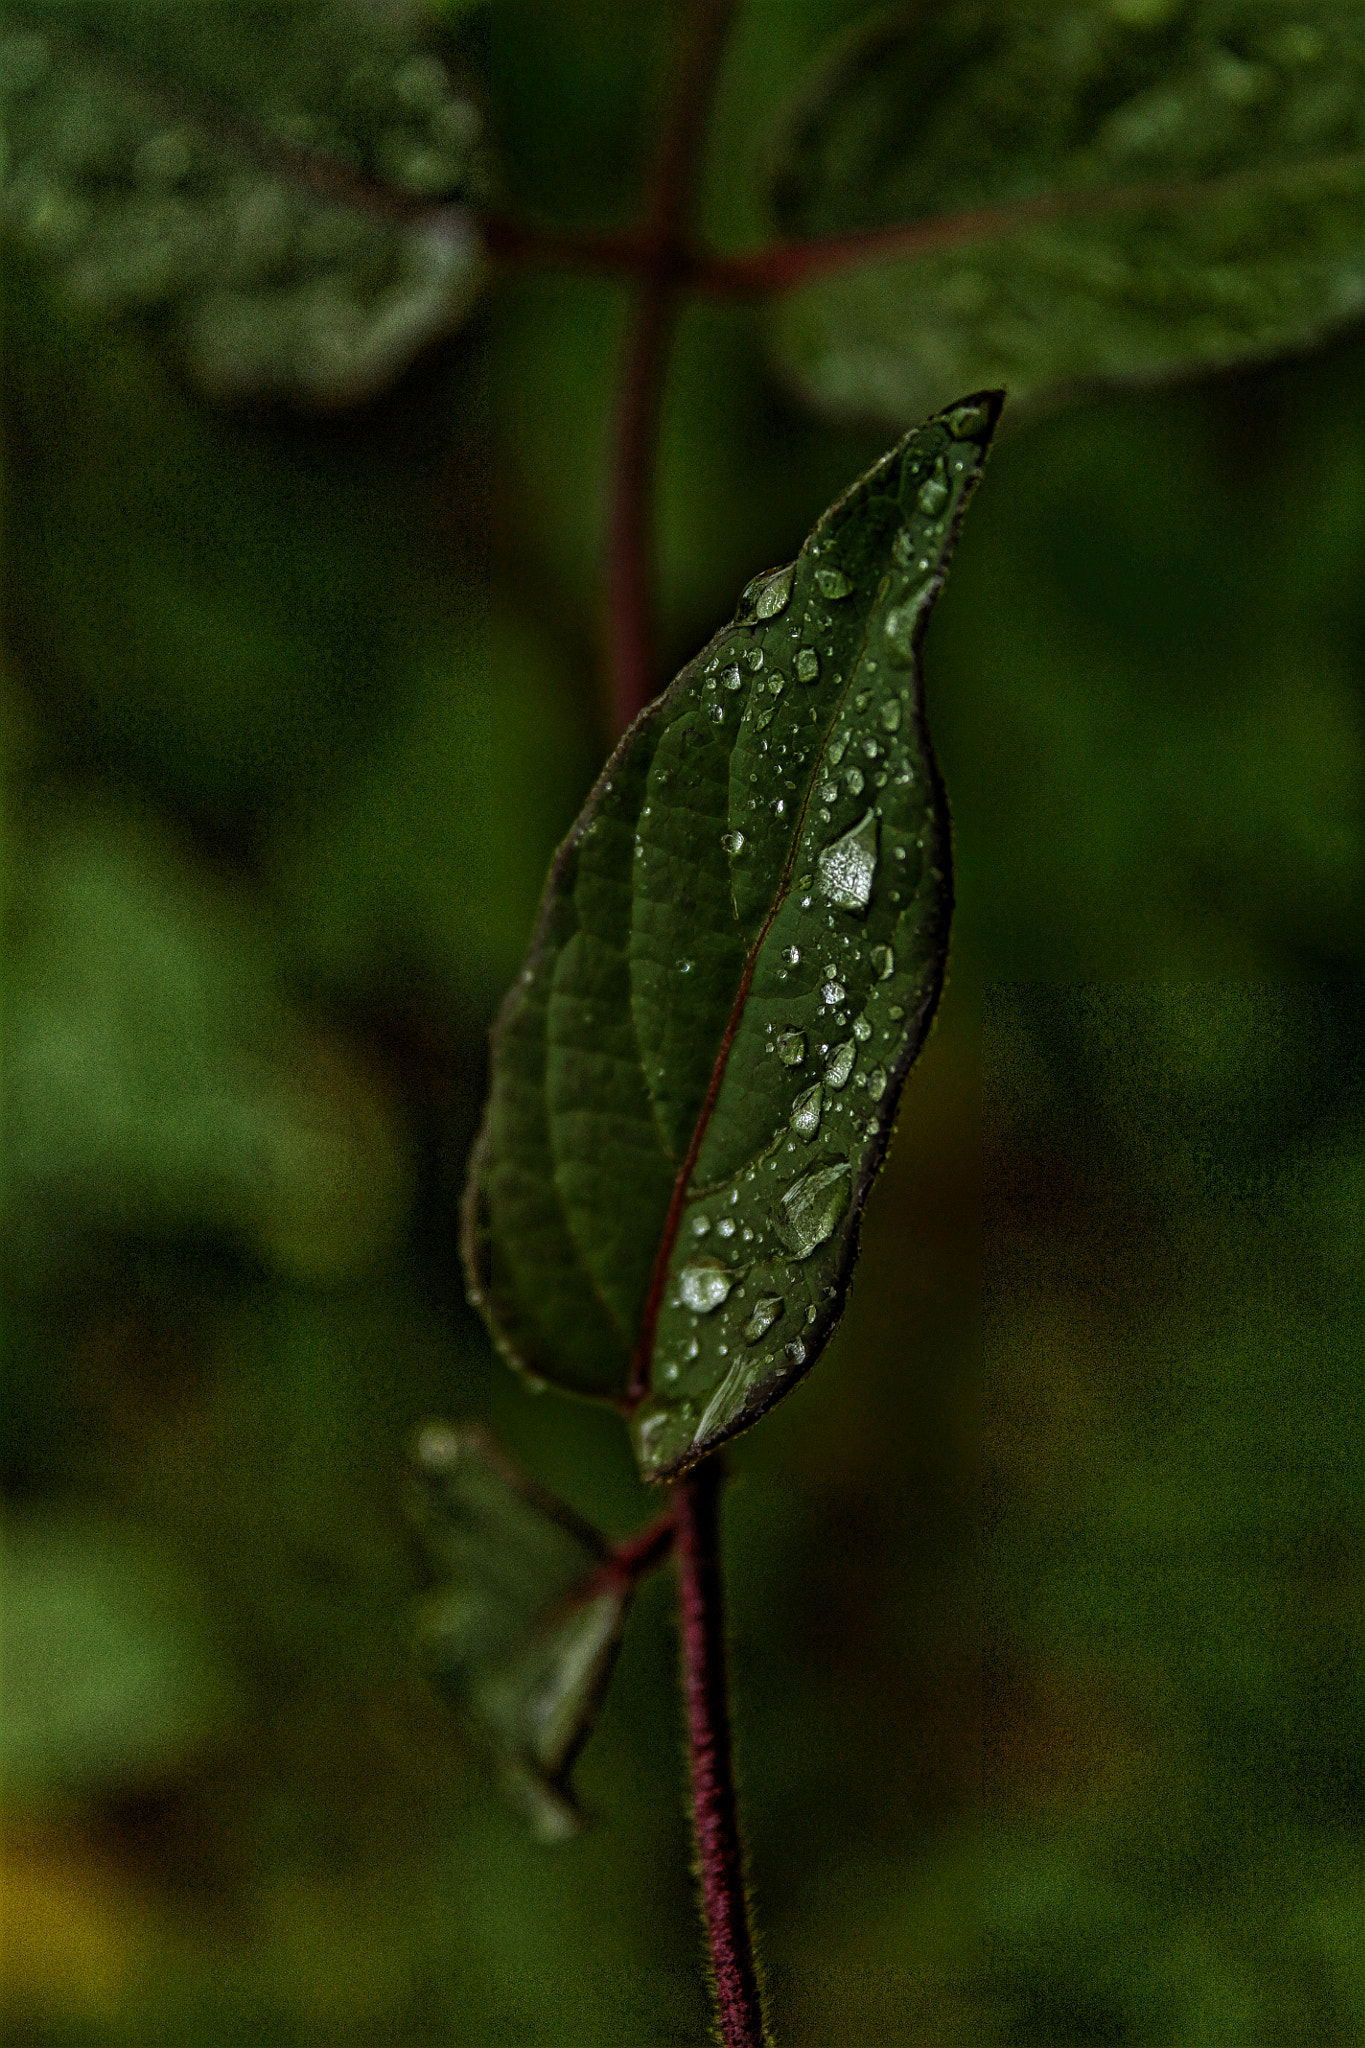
(715, 1816)
(663, 261)
(640, 1554)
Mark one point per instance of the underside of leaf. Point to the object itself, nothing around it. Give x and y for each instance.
(279, 187)
(737, 958)
(1139, 190)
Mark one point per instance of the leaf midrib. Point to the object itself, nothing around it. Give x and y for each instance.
(643, 1354)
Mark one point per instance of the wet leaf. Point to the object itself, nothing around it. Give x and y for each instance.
(282, 188)
(738, 955)
(525, 1638)
(1208, 164)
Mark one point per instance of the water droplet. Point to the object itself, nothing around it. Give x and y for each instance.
(716, 711)
(862, 1030)
(932, 496)
(837, 750)
(871, 749)
(733, 842)
(791, 1048)
(806, 1112)
(853, 778)
(777, 682)
(828, 793)
(704, 1286)
(810, 1208)
(884, 960)
(833, 582)
(730, 679)
(899, 628)
(726, 1227)
(701, 1224)
(891, 715)
(831, 995)
(965, 420)
(796, 1351)
(807, 665)
(694, 1349)
(840, 1063)
(846, 866)
(862, 700)
(768, 595)
(754, 659)
(779, 807)
(684, 967)
(766, 1312)
(794, 955)
(876, 1083)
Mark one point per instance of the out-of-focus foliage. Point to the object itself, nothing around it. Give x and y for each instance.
(218, 171)
(527, 1632)
(1207, 160)
(262, 677)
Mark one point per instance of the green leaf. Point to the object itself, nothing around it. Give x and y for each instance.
(526, 1638)
(282, 187)
(738, 955)
(1190, 180)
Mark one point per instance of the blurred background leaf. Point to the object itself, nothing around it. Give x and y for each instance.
(295, 711)
(221, 175)
(1218, 149)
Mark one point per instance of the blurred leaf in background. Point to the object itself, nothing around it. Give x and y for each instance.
(297, 706)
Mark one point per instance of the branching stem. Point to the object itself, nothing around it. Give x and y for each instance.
(663, 262)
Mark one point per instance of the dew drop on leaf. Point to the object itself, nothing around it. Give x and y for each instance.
(733, 842)
(766, 1312)
(833, 582)
(807, 665)
(704, 1286)
(862, 1030)
(899, 628)
(730, 678)
(810, 1208)
(854, 778)
(884, 960)
(768, 595)
(806, 1112)
(933, 496)
(791, 1048)
(840, 1063)
(891, 715)
(847, 865)
(876, 1083)
(700, 1225)
(965, 420)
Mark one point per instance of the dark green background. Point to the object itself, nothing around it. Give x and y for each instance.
(1047, 1675)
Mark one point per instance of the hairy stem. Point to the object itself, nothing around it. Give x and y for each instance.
(715, 1816)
